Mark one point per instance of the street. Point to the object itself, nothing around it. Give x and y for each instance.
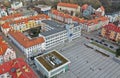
(95, 35)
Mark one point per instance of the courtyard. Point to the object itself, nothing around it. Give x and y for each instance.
(33, 32)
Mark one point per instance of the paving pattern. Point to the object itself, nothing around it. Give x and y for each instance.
(87, 63)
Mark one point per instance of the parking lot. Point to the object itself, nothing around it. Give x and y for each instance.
(87, 63)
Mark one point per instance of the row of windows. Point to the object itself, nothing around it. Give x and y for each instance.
(55, 40)
(54, 43)
(56, 36)
(33, 47)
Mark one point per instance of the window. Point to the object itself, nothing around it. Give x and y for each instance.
(60, 9)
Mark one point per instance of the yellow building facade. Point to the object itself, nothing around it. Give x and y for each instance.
(111, 32)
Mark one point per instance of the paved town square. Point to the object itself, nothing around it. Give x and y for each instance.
(88, 63)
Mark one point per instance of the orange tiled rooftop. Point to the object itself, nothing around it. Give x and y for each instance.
(3, 46)
(17, 68)
(68, 5)
(25, 41)
(11, 16)
(25, 20)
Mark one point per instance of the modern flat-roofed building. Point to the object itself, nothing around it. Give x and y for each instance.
(16, 5)
(51, 34)
(52, 63)
(56, 33)
(42, 9)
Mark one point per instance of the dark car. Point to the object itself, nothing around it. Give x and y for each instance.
(87, 37)
(97, 41)
(92, 39)
(103, 40)
(99, 33)
(111, 47)
(105, 44)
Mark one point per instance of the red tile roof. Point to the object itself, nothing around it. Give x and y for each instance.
(56, 12)
(96, 20)
(1, 38)
(6, 25)
(25, 20)
(112, 27)
(67, 16)
(79, 20)
(3, 46)
(74, 18)
(25, 41)
(11, 16)
(68, 5)
(17, 65)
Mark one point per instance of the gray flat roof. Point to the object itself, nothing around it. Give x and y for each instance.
(57, 27)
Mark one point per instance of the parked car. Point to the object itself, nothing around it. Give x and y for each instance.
(103, 40)
(100, 42)
(99, 33)
(97, 41)
(105, 44)
(92, 39)
(111, 46)
(87, 37)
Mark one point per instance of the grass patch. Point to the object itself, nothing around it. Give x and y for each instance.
(103, 47)
(102, 53)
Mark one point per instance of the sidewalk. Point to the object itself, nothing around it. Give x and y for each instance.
(101, 50)
(109, 41)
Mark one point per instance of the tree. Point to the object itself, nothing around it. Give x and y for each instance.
(6, 3)
(118, 52)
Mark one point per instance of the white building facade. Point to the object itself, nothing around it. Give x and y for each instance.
(88, 27)
(9, 55)
(16, 5)
(54, 71)
(3, 13)
(113, 17)
(55, 39)
(6, 53)
(61, 34)
(73, 9)
(28, 47)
